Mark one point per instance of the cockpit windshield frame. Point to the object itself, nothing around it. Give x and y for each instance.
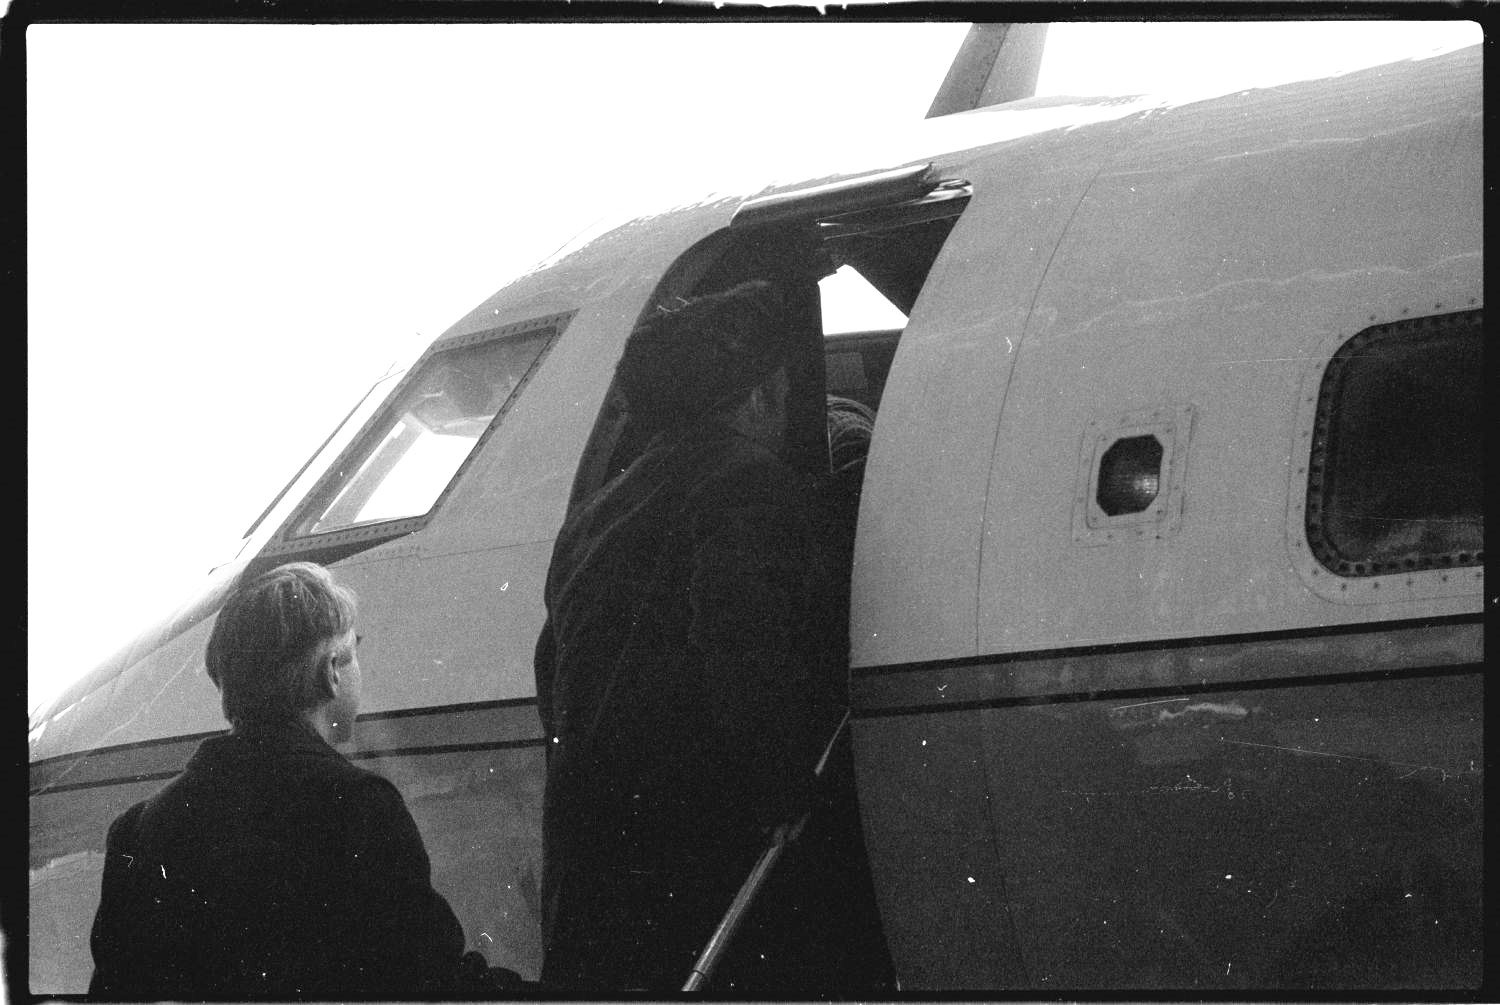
(298, 534)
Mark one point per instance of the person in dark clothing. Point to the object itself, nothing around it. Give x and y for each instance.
(851, 426)
(272, 867)
(685, 676)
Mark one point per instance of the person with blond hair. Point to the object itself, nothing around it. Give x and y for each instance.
(272, 867)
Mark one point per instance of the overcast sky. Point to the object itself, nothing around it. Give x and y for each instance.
(233, 230)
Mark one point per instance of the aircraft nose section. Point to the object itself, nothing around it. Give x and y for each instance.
(140, 679)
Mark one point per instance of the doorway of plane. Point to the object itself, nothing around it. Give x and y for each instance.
(882, 231)
(880, 234)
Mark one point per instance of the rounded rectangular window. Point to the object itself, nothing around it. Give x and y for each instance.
(405, 461)
(1395, 473)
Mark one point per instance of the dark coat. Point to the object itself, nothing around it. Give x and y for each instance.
(687, 681)
(271, 868)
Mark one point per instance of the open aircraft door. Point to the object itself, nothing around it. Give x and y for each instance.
(917, 560)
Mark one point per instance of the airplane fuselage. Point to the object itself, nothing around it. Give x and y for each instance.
(1144, 693)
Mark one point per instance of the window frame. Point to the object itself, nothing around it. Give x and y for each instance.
(288, 540)
(1172, 427)
(1313, 415)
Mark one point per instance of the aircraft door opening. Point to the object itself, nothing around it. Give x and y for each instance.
(887, 230)
(883, 232)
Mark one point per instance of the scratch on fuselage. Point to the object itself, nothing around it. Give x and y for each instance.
(1445, 772)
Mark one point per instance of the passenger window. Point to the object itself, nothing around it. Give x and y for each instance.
(1396, 467)
(405, 461)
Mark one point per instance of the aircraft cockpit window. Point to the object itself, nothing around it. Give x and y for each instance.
(432, 427)
(1396, 466)
(403, 463)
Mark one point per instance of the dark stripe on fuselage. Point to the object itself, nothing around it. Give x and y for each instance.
(118, 748)
(468, 706)
(359, 755)
(399, 713)
(1175, 668)
(471, 726)
(1162, 645)
(1174, 691)
(449, 748)
(159, 776)
(1144, 670)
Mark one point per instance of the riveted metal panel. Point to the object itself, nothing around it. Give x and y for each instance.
(1172, 427)
(1308, 446)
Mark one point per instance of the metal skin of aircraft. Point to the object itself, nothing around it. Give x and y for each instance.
(1167, 595)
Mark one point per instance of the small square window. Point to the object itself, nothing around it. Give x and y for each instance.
(1132, 469)
(1129, 475)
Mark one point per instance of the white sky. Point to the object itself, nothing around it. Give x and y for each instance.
(233, 230)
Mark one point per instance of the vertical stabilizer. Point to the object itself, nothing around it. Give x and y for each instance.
(996, 63)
